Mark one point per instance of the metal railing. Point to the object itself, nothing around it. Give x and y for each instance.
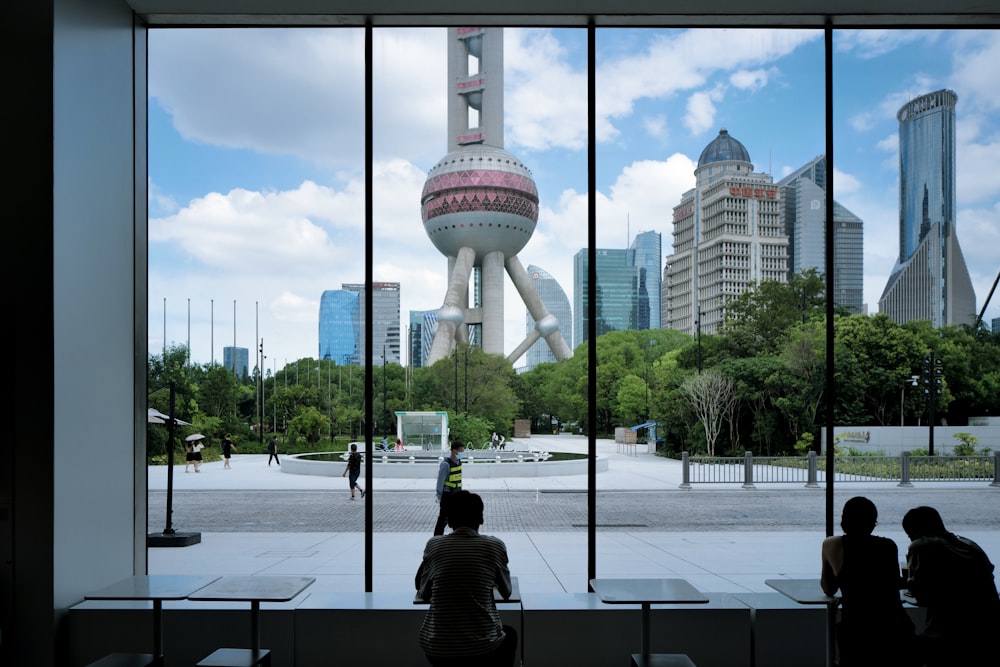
(810, 470)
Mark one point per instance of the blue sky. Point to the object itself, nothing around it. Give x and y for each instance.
(256, 155)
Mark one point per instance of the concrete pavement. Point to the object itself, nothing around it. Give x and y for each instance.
(545, 560)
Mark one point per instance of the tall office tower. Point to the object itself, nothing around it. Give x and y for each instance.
(237, 360)
(551, 293)
(415, 338)
(646, 254)
(729, 233)
(385, 321)
(930, 280)
(995, 325)
(803, 195)
(340, 326)
(480, 205)
(617, 293)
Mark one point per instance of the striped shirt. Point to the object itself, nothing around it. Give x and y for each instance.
(458, 574)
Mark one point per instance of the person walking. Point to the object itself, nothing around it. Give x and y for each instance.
(272, 450)
(354, 468)
(188, 455)
(449, 482)
(457, 575)
(196, 456)
(227, 450)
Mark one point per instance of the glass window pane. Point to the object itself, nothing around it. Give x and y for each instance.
(706, 138)
(481, 134)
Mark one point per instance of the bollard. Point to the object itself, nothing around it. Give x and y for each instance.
(498, 458)
(520, 458)
(812, 483)
(748, 471)
(385, 459)
(996, 470)
(413, 459)
(904, 469)
(685, 471)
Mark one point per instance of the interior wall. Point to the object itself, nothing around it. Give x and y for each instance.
(93, 523)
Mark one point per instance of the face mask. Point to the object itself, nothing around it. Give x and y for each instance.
(460, 455)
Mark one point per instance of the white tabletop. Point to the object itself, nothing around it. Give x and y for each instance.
(258, 588)
(646, 591)
(803, 591)
(153, 587)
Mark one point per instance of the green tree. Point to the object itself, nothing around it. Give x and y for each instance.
(309, 424)
(884, 353)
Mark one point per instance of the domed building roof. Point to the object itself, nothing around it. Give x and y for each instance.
(722, 149)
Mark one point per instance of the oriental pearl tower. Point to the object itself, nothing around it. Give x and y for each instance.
(480, 205)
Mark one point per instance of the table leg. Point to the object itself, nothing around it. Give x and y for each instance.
(255, 625)
(645, 629)
(157, 628)
(831, 633)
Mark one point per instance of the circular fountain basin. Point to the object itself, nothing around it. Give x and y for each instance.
(422, 464)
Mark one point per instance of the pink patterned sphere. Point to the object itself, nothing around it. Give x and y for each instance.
(479, 197)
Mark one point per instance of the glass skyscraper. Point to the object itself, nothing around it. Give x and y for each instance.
(646, 254)
(930, 280)
(342, 324)
(804, 199)
(419, 348)
(554, 297)
(237, 360)
(617, 293)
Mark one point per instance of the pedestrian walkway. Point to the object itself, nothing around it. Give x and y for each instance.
(723, 561)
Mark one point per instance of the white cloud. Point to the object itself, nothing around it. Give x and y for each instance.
(749, 79)
(845, 183)
(655, 126)
(701, 110)
(867, 44)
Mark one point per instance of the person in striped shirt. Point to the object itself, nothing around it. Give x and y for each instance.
(458, 574)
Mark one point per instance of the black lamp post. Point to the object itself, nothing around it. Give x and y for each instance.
(385, 415)
(170, 537)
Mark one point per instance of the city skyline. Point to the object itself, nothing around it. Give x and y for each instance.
(256, 177)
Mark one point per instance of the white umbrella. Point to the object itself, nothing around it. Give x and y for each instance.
(154, 416)
(195, 436)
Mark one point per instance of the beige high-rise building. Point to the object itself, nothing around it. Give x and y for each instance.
(729, 232)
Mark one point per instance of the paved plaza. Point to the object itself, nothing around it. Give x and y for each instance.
(256, 519)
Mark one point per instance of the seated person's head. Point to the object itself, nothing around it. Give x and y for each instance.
(859, 516)
(465, 510)
(922, 521)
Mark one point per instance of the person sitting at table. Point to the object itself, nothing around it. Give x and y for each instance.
(953, 578)
(874, 629)
(457, 575)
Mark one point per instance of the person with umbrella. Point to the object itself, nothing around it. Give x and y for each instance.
(193, 444)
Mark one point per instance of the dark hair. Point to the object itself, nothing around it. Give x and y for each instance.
(859, 516)
(354, 446)
(465, 510)
(923, 521)
(457, 444)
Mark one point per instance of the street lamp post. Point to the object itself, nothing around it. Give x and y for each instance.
(385, 415)
(933, 379)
